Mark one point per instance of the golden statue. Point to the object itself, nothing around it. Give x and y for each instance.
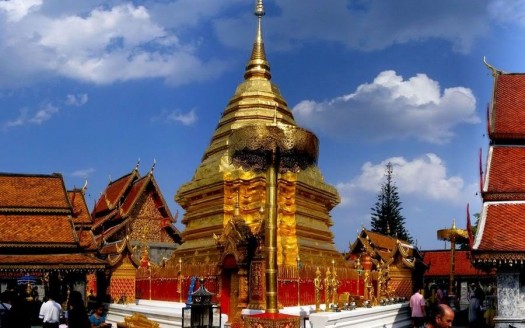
(366, 285)
(327, 289)
(335, 286)
(318, 287)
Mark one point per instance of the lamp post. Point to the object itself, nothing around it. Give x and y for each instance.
(298, 281)
(149, 271)
(179, 285)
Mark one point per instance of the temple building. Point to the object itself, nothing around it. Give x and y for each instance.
(499, 243)
(50, 239)
(133, 227)
(45, 233)
(399, 263)
(228, 202)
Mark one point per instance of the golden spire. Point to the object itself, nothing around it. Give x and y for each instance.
(258, 65)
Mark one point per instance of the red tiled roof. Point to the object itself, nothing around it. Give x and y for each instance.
(50, 262)
(114, 192)
(31, 230)
(80, 210)
(501, 227)
(133, 194)
(505, 172)
(87, 239)
(438, 263)
(32, 191)
(384, 241)
(508, 116)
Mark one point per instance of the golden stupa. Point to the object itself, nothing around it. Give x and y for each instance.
(259, 168)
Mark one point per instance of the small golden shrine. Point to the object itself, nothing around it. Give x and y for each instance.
(388, 267)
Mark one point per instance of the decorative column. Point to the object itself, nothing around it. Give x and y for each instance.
(509, 302)
(243, 288)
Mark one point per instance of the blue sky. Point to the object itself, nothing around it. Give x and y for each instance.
(89, 87)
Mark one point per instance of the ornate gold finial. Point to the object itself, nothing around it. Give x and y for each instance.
(259, 8)
(494, 70)
(258, 65)
(137, 165)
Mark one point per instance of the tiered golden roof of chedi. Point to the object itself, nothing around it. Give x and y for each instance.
(43, 226)
(218, 186)
(499, 238)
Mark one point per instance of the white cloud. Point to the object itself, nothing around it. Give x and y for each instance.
(26, 117)
(423, 178)
(185, 118)
(83, 173)
(101, 46)
(392, 108)
(77, 100)
(15, 10)
(505, 12)
(43, 114)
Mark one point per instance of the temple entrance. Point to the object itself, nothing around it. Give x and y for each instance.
(230, 291)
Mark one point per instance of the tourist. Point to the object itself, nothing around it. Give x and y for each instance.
(50, 312)
(76, 311)
(98, 318)
(5, 310)
(440, 294)
(441, 316)
(417, 306)
(475, 317)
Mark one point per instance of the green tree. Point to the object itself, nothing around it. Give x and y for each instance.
(386, 213)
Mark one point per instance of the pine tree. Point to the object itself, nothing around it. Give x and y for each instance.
(386, 214)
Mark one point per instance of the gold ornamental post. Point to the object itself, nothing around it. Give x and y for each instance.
(453, 235)
(274, 149)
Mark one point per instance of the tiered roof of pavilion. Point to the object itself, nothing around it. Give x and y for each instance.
(385, 248)
(43, 225)
(130, 211)
(499, 239)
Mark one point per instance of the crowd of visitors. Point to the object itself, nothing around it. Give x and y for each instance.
(434, 310)
(18, 311)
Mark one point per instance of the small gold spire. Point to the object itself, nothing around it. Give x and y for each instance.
(258, 65)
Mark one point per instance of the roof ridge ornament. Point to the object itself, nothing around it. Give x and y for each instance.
(258, 65)
(153, 167)
(84, 187)
(495, 71)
